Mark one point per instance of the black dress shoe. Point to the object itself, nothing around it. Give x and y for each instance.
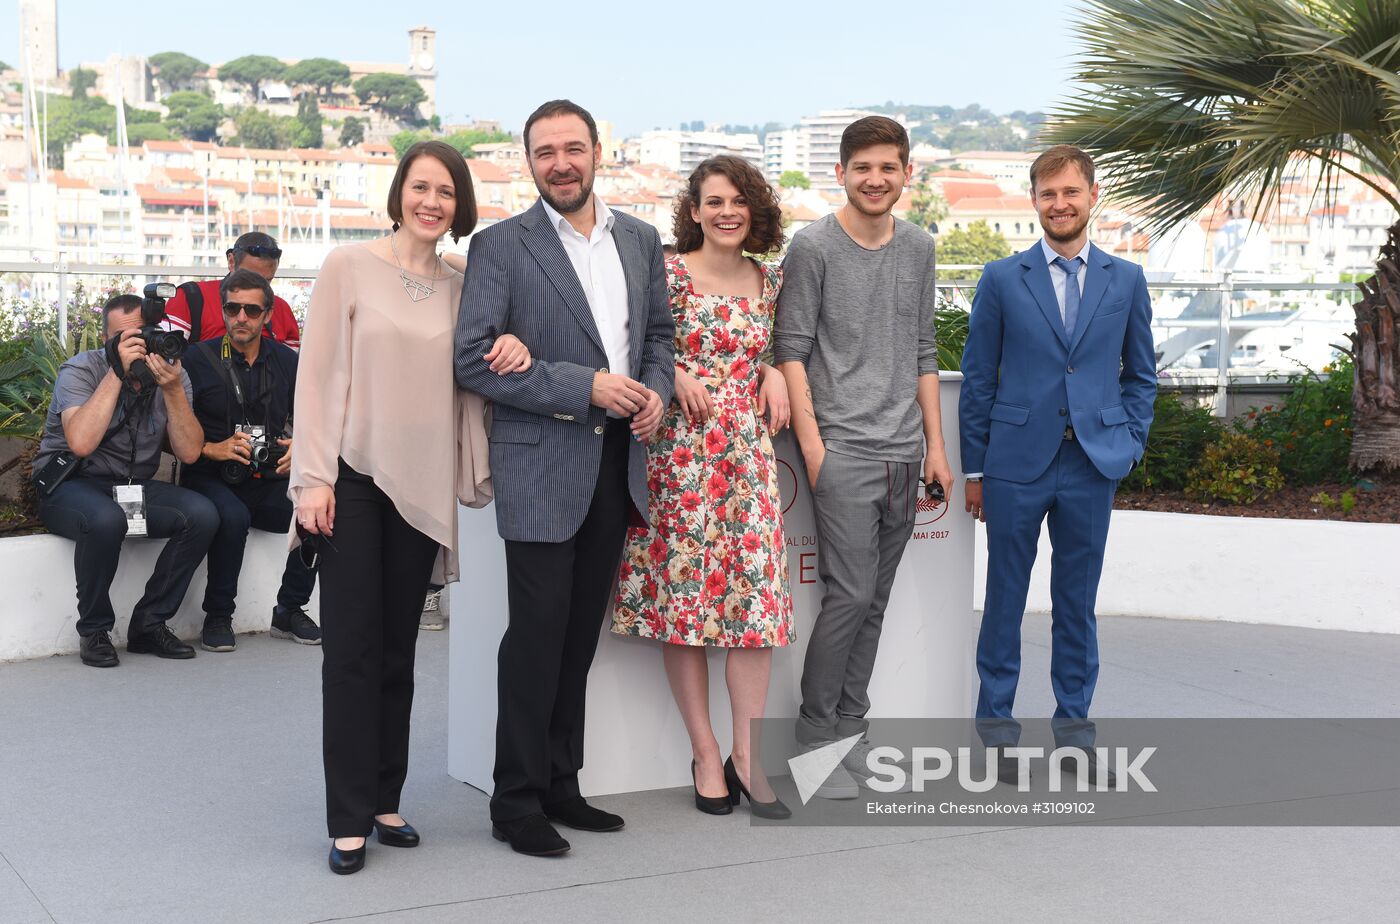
(711, 805)
(345, 862)
(396, 835)
(160, 642)
(1097, 771)
(579, 815)
(97, 650)
(775, 809)
(1008, 769)
(532, 835)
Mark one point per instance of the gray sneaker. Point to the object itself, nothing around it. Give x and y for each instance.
(857, 761)
(433, 619)
(838, 783)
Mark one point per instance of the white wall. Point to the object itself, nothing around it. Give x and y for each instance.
(38, 606)
(1316, 574)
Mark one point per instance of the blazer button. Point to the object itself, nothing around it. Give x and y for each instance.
(1063, 412)
(1070, 370)
(598, 431)
(604, 370)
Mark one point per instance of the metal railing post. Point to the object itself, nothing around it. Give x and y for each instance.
(1223, 348)
(62, 269)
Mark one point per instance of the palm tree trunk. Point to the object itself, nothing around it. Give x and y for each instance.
(1376, 400)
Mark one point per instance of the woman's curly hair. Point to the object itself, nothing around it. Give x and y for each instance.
(765, 213)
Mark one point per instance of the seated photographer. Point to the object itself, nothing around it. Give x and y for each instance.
(112, 408)
(243, 390)
(200, 301)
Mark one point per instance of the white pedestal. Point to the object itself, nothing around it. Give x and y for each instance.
(635, 739)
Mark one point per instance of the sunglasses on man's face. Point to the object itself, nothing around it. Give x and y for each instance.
(259, 251)
(253, 312)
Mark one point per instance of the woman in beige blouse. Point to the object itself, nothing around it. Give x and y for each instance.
(385, 446)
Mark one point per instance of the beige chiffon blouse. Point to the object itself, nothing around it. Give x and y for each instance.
(375, 387)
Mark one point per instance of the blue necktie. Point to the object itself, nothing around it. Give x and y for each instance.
(1071, 268)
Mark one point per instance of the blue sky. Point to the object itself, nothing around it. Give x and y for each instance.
(642, 66)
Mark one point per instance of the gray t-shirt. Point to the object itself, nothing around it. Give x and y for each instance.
(78, 379)
(861, 321)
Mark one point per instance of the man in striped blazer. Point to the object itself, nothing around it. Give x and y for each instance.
(584, 288)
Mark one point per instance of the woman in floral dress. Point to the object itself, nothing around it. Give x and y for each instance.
(710, 568)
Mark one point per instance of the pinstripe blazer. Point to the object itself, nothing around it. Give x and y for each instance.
(546, 438)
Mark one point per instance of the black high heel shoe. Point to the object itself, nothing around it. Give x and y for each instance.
(396, 835)
(711, 805)
(775, 809)
(345, 862)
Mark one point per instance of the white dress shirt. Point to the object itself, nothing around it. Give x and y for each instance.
(599, 269)
(1057, 275)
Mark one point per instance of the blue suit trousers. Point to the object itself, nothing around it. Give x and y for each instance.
(1077, 501)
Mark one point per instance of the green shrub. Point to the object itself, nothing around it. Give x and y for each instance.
(1180, 433)
(1311, 430)
(1236, 469)
(950, 326)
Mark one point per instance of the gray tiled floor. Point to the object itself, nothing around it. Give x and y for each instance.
(167, 791)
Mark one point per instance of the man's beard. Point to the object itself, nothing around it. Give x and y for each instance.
(567, 206)
(1069, 234)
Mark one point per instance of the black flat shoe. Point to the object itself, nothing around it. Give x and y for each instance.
(577, 814)
(775, 809)
(710, 805)
(345, 862)
(396, 835)
(532, 835)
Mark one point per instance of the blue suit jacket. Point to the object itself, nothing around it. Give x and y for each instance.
(546, 438)
(1024, 380)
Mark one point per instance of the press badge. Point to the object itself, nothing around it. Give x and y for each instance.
(132, 499)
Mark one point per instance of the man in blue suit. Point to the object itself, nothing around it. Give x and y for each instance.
(1059, 376)
(585, 289)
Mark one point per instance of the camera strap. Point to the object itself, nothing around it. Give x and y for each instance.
(264, 389)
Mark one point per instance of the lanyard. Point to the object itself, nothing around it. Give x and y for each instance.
(226, 354)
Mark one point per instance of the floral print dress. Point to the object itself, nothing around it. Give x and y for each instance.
(711, 567)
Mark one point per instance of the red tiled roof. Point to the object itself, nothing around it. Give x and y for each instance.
(955, 190)
(152, 195)
(493, 212)
(484, 171)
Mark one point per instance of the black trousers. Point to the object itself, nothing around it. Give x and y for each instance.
(558, 599)
(258, 502)
(374, 574)
(82, 509)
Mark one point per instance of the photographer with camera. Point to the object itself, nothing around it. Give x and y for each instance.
(112, 408)
(195, 307)
(244, 384)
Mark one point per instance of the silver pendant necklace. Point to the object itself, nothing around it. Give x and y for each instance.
(417, 291)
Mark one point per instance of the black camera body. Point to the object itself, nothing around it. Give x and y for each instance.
(169, 345)
(266, 453)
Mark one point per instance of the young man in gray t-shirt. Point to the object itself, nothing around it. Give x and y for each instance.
(854, 339)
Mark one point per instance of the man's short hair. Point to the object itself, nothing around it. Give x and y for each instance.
(870, 131)
(558, 107)
(1054, 159)
(242, 279)
(256, 244)
(124, 303)
(464, 214)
